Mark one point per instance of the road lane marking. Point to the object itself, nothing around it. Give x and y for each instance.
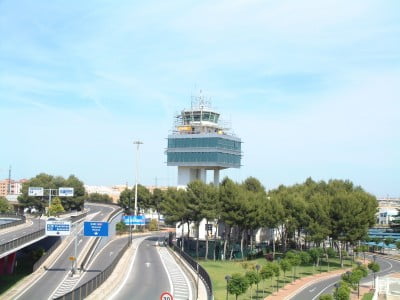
(390, 267)
(139, 241)
(28, 287)
(312, 290)
(166, 271)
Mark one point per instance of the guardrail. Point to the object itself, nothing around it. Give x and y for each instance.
(87, 288)
(78, 217)
(21, 220)
(29, 237)
(22, 240)
(197, 268)
(46, 255)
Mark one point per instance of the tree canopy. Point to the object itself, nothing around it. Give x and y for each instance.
(53, 182)
(4, 205)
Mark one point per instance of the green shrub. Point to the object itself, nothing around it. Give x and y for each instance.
(326, 297)
(153, 225)
(121, 227)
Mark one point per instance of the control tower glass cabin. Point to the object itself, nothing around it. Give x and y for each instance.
(199, 143)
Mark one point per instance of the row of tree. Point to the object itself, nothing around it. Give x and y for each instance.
(306, 213)
(53, 182)
(238, 283)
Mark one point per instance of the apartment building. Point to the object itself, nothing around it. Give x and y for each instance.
(11, 187)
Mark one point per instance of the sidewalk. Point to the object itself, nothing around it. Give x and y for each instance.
(291, 289)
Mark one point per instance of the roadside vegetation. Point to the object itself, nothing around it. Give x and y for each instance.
(267, 277)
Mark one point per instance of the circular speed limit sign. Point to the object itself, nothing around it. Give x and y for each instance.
(166, 296)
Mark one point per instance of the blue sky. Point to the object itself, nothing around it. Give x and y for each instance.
(312, 87)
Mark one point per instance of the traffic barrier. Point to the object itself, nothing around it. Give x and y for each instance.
(21, 220)
(78, 217)
(196, 268)
(30, 237)
(21, 241)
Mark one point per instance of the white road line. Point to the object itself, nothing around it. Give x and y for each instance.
(139, 241)
(44, 273)
(316, 297)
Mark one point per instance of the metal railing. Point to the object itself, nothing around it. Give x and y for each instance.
(197, 268)
(30, 237)
(46, 255)
(87, 288)
(21, 241)
(78, 217)
(21, 220)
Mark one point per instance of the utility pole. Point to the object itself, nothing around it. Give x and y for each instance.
(9, 181)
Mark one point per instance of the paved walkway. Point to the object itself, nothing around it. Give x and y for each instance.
(289, 290)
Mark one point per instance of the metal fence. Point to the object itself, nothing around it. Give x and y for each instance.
(21, 220)
(87, 288)
(197, 268)
(46, 255)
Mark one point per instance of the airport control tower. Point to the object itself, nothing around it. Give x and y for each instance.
(200, 142)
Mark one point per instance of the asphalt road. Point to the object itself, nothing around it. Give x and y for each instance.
(148, 278)
(326, 286)
(44, 287)
(10, 233)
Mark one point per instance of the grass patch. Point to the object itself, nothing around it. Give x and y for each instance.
(368, 296)
(219, 269)
(24, 268)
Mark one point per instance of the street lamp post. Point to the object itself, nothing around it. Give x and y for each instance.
(358, 284)
(374, 257)
(227, 278)
(258, 269)
(137, 143)
(337, 286)
(129, 213)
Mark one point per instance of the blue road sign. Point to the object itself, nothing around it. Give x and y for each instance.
(134, 220)
(58, 228)
(95, 228)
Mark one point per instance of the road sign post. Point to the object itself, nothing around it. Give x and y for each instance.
(61, 192)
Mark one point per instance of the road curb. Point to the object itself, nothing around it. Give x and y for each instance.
(303, 287)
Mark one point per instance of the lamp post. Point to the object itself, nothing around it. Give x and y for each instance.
(337, 286)
(227, 278)
(258, 269)
(137, 143)
(358, 284)
(374, 257)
